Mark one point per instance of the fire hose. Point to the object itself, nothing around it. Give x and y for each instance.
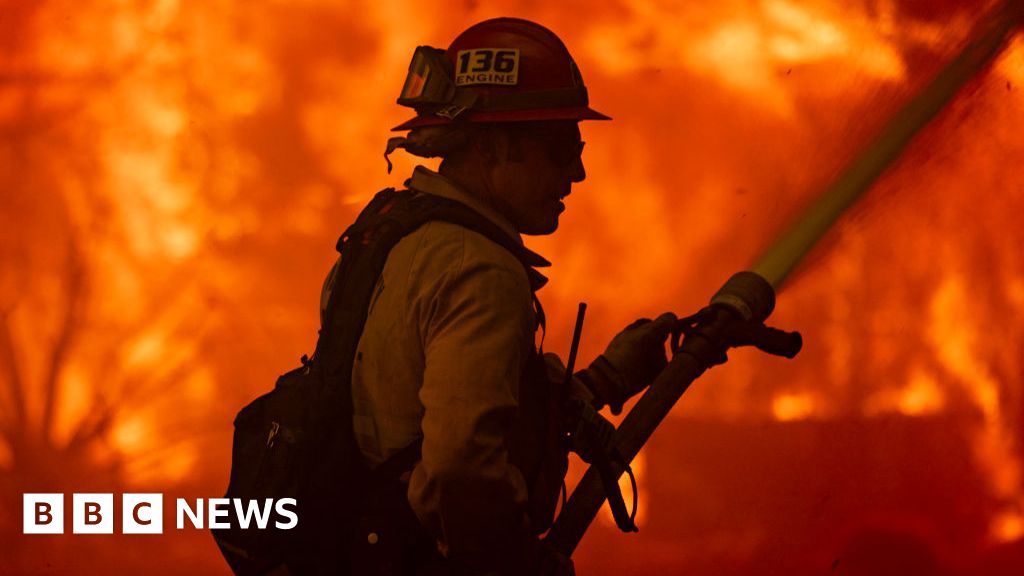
(736, 314)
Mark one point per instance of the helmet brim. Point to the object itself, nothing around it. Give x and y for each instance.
(575, 113)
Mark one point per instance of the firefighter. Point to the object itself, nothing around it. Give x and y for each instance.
(448, 350)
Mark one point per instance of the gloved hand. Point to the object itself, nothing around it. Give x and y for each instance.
(633, 359)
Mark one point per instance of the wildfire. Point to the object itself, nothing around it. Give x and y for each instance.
(751, 47)
(175, 174)
(920, 396)
(788, 407)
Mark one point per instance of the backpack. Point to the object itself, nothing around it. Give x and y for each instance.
(297, 440)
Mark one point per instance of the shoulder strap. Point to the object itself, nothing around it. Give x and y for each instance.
(364, 246)
(408, 210)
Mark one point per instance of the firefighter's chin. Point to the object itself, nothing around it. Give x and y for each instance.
(543, 222)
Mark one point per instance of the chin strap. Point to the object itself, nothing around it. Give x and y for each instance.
(394, 144)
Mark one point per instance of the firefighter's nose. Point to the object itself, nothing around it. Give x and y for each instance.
(577, 173)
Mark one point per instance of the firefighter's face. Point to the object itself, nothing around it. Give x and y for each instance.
(534, 170)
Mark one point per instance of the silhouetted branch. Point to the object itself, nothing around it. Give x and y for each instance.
(94, 426)
(75, 287)
(9, 357)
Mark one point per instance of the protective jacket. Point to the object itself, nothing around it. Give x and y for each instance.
(448, 353)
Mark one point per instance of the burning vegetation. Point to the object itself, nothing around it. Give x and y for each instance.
(173, 176)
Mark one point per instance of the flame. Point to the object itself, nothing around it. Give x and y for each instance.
(793, 406)
(1011, 66)
(1008, 526)
(75, 404)
(955, 338)
(753, 50)
(921, 396)
(175, 175)
(133, 435)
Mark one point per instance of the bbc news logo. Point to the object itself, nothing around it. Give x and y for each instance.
(144, 513)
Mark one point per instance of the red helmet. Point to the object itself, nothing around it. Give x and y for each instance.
(500, 70)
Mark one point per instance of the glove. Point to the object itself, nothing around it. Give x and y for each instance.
(633, 359)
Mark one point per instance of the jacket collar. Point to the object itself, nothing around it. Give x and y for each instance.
(426, 180)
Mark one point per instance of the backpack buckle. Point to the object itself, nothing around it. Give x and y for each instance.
(275, 429)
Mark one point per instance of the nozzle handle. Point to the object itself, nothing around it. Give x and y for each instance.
(777, 342)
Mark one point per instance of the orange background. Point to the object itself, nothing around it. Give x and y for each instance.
(173, 176)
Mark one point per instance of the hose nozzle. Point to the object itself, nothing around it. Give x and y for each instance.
(747, 294)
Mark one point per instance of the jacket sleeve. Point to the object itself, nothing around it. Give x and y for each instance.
(476, 328)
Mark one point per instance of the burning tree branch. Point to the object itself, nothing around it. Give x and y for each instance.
(14, 383)
(69, 326)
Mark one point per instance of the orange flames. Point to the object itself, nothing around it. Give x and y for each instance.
(175, 174)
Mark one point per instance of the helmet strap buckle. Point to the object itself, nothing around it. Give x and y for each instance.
(461, 101)
(450, 112)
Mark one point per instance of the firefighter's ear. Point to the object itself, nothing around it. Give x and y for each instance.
(490, 145)
(507, 145)
(513, 150)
